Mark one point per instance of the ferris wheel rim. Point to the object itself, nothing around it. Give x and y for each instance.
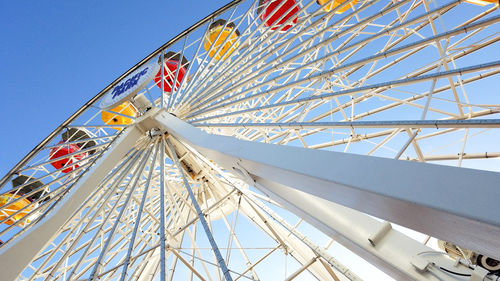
(102, 92)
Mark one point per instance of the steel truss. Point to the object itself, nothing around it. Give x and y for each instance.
(235, 169)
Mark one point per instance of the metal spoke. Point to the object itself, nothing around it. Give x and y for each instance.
(201, 217)
(279, 134)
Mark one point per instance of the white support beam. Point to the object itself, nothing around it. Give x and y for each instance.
(453, 204)
(16, 256)
(404, 124)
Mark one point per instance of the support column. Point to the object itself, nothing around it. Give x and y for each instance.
(453, 204)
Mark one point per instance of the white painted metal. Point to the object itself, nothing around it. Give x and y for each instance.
(368, 88)
(406, 79)
(163, 268)
(139, 215)
(201, 217)
(389, 189)
(435, 124)
(31, 242)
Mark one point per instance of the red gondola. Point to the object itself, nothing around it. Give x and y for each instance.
(63, 150)
(171, 62)
(270, 7)
(75, 134)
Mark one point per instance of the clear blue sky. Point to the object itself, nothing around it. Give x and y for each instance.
(56, 55)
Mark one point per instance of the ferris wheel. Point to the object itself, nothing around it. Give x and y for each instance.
(285, 139)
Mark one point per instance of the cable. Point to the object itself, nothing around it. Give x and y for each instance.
(462, 252)
(454, 272)
(463, 261)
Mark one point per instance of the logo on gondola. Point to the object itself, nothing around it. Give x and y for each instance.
(131, 82)
(129, 86)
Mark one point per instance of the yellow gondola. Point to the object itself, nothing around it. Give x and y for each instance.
(111, 118)
(231, 44)
(334, 4)
(9, 209)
